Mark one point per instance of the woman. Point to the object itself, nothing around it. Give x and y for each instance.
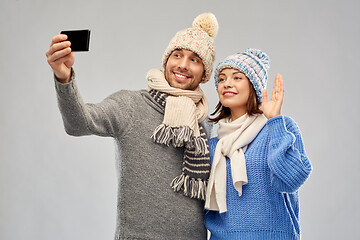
(258, 161)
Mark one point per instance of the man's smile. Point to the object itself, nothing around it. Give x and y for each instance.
(181, 77)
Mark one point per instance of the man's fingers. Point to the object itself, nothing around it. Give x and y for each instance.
(57, 55)
(58, 38)
(58, 42)
(57, 47)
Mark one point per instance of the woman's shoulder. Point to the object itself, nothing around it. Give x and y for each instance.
(213, 139)
(212, 142)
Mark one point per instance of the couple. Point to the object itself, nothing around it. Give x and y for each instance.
(257, 162)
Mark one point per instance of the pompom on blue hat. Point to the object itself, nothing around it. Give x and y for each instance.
(254, 63)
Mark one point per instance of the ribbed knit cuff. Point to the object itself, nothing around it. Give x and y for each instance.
(65, 87)
(251, 235)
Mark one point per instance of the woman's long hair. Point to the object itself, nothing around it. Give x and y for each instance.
(252, 107)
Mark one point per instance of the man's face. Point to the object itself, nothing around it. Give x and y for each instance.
(184, 69)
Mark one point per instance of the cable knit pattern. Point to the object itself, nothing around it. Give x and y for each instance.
(269, 207)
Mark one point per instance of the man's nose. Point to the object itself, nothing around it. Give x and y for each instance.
(184, 63)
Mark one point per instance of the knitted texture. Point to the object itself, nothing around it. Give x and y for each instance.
(196, 168)
(147, 207)
(184, 109)
(269, 207)
(253, 63)
(198, 39)
(235, 136)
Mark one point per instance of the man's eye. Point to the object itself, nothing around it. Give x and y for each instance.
(175, 54)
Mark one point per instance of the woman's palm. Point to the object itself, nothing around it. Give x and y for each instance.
(272, 108)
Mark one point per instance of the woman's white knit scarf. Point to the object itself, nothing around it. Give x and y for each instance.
(234, 138)
(184, 109)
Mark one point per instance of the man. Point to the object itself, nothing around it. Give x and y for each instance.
(161, 144)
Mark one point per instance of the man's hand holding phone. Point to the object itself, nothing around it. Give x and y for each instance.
(60, 55)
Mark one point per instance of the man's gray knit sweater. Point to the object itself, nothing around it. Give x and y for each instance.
(148, 208)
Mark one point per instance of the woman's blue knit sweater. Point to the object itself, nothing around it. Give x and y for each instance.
(269, 206)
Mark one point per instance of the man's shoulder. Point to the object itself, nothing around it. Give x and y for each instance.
(133, 101)
(127, 95)
(130, 93)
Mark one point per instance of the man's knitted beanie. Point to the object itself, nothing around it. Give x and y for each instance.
(253, 63)
(198, 39)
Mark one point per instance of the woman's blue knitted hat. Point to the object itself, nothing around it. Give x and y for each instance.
(254, 63)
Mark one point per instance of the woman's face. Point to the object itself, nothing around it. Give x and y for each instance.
(234, 90)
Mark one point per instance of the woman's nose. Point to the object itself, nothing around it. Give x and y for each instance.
(227, 83)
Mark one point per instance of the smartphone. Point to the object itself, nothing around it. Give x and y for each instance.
(79, 39)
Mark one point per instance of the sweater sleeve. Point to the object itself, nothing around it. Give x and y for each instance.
(288, 163)
(103, 119)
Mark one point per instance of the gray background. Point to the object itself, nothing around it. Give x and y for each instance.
(54, 186)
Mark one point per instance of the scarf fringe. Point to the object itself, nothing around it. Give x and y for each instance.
(193, 188)
(162, 135)
(200, 145)
(182, 135)
(178, 137)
